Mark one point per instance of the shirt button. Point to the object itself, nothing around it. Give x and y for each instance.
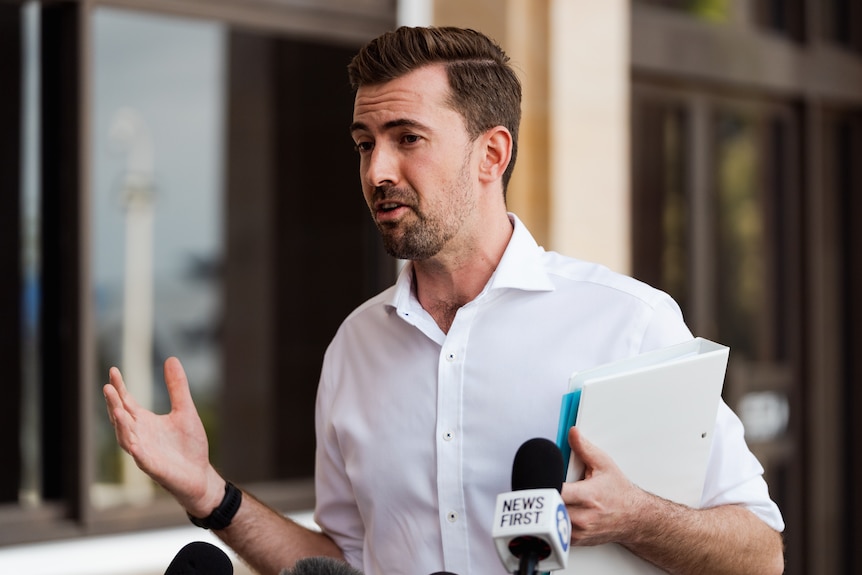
(448, 436)
(451, 356)
(452, 517)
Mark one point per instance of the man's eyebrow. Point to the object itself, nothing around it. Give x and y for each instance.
(356, 126)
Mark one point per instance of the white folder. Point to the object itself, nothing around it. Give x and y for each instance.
(654, 414)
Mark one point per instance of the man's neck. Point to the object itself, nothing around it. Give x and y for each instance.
(446, 283)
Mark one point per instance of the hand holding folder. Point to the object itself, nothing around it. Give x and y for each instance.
(654, 415)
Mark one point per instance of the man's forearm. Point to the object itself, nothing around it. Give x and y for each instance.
(270, 542)
(724, 540)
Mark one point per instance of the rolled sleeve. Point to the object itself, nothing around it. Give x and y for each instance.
(734, 475)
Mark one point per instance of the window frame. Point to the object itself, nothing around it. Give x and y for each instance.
(67, 333)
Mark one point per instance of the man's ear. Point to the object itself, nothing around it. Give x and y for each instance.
(496, 153)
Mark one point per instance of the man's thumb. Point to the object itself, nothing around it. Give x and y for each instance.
(588, 453)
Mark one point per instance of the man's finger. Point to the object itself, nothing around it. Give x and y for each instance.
(119, 417)
(178, 385)
(111, 401)
(115, 402)
(589, 454)
(116, 381)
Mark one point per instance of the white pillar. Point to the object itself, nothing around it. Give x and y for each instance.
(589, 130)
(415, 12)
(130, 132)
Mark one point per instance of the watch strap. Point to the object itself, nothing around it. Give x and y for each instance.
(222, 515)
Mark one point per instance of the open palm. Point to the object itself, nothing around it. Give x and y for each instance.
(171, 448)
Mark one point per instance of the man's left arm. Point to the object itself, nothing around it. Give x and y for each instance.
(606, 507)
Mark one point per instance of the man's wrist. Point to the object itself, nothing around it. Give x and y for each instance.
(221, 515)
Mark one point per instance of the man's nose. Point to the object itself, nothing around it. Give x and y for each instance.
(381, 167)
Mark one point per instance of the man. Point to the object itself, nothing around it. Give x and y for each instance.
(428, 389)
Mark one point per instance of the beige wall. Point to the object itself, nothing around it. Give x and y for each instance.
(571, 185)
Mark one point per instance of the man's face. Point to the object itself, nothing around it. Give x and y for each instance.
(415, 163)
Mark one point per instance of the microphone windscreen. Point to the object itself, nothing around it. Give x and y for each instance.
(321, 566)
(200, 558)
(538, 464)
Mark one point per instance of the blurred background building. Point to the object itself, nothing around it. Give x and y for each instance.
(176, 178)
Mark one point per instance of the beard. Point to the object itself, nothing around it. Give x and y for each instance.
(418, 239)
(423, 235)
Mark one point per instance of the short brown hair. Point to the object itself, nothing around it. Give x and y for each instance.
(484, 88)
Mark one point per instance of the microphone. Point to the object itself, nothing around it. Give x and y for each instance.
(328, 566)
(321, 566)
(200, 558)
(531, 529)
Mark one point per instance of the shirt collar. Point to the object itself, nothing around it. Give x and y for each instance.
(521, 267)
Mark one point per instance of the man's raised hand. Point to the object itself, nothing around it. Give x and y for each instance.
(171, 448)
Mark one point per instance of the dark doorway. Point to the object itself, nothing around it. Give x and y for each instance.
(302, 250)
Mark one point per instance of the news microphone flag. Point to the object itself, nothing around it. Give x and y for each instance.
(531, 523)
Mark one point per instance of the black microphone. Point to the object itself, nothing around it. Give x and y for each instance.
(200, 558)
(531, 529)
(321, 566)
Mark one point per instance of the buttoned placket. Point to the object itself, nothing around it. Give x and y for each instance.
(450, 472)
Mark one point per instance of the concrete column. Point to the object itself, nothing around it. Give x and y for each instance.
(589, 209)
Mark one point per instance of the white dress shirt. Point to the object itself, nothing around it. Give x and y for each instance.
(417, 429)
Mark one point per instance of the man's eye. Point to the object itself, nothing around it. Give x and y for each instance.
(409, 138)
(363, 147)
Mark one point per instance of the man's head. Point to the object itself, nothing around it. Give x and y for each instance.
(484, 88)
(321, 566)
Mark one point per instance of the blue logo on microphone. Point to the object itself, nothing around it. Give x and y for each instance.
(564, 527)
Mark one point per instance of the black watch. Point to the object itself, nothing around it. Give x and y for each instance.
(222, 515)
